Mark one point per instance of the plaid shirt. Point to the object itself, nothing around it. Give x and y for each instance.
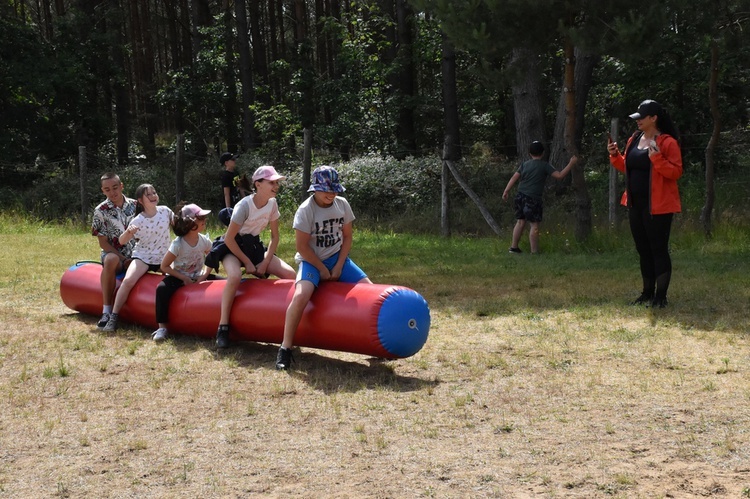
(111, 221)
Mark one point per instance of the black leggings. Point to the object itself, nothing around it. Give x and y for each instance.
(651, 236)
(164, 292)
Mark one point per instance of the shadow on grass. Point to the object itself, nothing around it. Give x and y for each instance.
(325, 373)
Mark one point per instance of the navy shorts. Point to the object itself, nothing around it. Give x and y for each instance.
(528, 208)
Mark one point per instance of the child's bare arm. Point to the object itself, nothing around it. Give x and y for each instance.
(511, 182)
(561, 174)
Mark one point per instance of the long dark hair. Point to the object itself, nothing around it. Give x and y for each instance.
(139, 192)
(664, 122)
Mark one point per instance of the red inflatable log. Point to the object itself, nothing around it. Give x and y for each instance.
(372, 319)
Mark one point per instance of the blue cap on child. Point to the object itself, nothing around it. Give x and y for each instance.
(326, 179)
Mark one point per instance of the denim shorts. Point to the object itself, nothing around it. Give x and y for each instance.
(349, 273)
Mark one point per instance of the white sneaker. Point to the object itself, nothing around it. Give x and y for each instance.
(160, 334)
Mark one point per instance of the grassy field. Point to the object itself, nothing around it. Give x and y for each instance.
(537, 380)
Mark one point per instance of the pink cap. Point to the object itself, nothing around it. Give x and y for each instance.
(193, 210)
(267, 172)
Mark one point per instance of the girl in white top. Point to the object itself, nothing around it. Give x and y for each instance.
(250, 217)
(151, 229)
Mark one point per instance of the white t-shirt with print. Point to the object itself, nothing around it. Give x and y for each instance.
(189, 259)
(254, 220)
(323, 224)
(153, 235)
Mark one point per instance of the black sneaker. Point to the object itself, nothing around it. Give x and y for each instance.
(103, 321)
(111, 325)
(284, 359)
(644, 299)
(222, 336)
(514, 250)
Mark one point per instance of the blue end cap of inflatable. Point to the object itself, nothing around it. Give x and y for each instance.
(403, 323)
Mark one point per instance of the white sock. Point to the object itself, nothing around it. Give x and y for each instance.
(107, 309)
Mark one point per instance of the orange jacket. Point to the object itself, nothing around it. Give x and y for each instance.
(666, 168)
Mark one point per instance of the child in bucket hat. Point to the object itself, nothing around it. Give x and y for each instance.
(323, 237)
(326, 179)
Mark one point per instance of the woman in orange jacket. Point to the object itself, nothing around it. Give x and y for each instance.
(652, 163)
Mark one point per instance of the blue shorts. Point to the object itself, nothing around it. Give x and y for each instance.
(528, 208)
(349, 273)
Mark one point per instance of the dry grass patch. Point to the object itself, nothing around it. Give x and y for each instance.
(552, 389)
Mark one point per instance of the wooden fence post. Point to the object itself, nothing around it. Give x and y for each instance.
(82, 182)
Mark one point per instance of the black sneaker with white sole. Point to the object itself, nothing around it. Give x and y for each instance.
(284, 359)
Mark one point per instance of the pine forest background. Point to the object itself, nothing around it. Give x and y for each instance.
(400, 95)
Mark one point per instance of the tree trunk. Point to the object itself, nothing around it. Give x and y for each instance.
(406, 141)
(121, 95)
(176, 56)
(273, 48)
(249, 139)
(445, 220)
(713, 100)
(201, 17)
(231, 113)
(583, 201)
(306, 160)
(527, 101)
(584, 77)
(260, 60)
(179, 168)
(150, 108)
(452, 143)
(303, 64)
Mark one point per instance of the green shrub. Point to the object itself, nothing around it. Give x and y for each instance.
(385, 193)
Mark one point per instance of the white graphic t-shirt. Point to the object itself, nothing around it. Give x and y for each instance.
(153, 235)
(323, 224)
(190, 259)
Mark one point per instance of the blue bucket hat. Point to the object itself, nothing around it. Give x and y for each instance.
(326, 179)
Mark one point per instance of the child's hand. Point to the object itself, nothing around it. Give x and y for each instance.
(335, 274)
(262, 267)
(325, 275)
(505, 195)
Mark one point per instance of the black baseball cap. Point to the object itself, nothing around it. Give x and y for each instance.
(226, 157)
(647, 108)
